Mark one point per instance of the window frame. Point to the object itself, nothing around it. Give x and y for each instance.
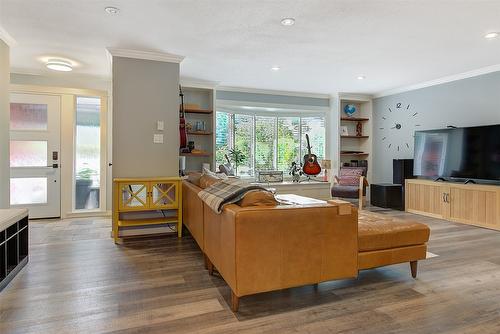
(103, 143)
(277, 113)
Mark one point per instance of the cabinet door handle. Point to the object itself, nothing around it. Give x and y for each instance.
(444, 197)
(447, 198)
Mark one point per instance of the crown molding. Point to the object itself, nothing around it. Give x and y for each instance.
(450, 78)
(147, 55)
(7, 38)
(194, 83)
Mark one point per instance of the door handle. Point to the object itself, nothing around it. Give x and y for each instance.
(53, 166)
(444, 197)
(447, 198)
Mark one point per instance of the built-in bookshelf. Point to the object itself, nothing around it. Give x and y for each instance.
(354, 146)
(199, 104)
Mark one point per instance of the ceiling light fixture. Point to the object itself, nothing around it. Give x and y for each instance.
(361, 77)
(59, 65)
(275, 68)
(111, 10)
(288, 21)
(491, 35)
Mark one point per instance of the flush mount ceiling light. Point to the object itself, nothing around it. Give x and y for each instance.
(491, 35)
(111, 10)
(275, 68)
(288, 21)
(59, 65)
(361, 77)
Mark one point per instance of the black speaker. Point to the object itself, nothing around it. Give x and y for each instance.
(402, 169)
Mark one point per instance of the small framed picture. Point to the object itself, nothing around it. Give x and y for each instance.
(344, 131)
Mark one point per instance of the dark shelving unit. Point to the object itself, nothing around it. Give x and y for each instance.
(14, 245)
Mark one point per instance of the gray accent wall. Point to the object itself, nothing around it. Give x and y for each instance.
(4, 125)
(144, 92)
(468, 102)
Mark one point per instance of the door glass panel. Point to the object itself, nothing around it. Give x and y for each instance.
(28, 153)
(87, 153)
(27, 116)
(28, 190)
(163, 194)
(134, 195)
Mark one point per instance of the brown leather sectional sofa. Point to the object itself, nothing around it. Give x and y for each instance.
(258, 249)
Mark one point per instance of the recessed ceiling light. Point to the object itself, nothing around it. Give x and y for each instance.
(491, 35)
(361, 77)
(111, 10)
(275, 68)
(59, 65)
(288, 21)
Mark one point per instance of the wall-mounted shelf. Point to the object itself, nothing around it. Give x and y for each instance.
(204, 154)
(354, 119)
(354, 136)
(200, 133)
(198, 111)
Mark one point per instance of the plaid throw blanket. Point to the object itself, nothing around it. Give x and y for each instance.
(225, 192)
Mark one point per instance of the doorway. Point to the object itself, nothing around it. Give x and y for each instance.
(35, 154)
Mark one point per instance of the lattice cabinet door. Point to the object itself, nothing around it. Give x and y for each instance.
(164, 195)
(133, 196)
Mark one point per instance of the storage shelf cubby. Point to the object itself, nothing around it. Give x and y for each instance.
(14, 245)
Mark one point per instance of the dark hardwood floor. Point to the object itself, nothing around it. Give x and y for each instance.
(79, 281)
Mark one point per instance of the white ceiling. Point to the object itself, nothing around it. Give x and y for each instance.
(236, 42)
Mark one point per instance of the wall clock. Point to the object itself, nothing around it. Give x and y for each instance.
(398, 126)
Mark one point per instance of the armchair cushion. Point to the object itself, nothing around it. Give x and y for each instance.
(346, 191)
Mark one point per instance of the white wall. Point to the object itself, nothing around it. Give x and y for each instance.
(467, 102)
(4, 125)
(67, 80)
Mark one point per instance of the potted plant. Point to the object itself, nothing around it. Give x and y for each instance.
(83, 184)
(238, 158)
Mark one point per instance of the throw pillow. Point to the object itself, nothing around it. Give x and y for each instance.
(350, 176)
(258, 198)
(208, 180)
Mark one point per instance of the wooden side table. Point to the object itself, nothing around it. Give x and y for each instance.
(146, 201)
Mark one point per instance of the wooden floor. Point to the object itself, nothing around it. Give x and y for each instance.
(79, 281)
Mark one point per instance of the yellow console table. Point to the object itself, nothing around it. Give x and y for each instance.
(136, 197)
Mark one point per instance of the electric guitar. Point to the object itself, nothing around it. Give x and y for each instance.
(311, 165)
(182, 122)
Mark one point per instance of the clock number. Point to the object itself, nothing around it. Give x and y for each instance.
(398, 105)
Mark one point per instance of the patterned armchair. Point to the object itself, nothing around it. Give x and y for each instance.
(351, 183)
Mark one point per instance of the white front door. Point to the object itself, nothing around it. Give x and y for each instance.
(34, 154)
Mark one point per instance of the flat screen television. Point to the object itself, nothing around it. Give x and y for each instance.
(458, 153)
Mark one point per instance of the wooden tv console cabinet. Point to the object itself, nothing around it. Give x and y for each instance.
(473, 204)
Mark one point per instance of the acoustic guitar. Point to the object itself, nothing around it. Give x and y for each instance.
(311, 165)
(182, 123)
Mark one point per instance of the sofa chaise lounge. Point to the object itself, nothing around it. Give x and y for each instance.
(264, 248)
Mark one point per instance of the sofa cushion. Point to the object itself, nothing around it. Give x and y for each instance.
(258, 198)
(376, 232)
(208, 180)
(194, 178)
